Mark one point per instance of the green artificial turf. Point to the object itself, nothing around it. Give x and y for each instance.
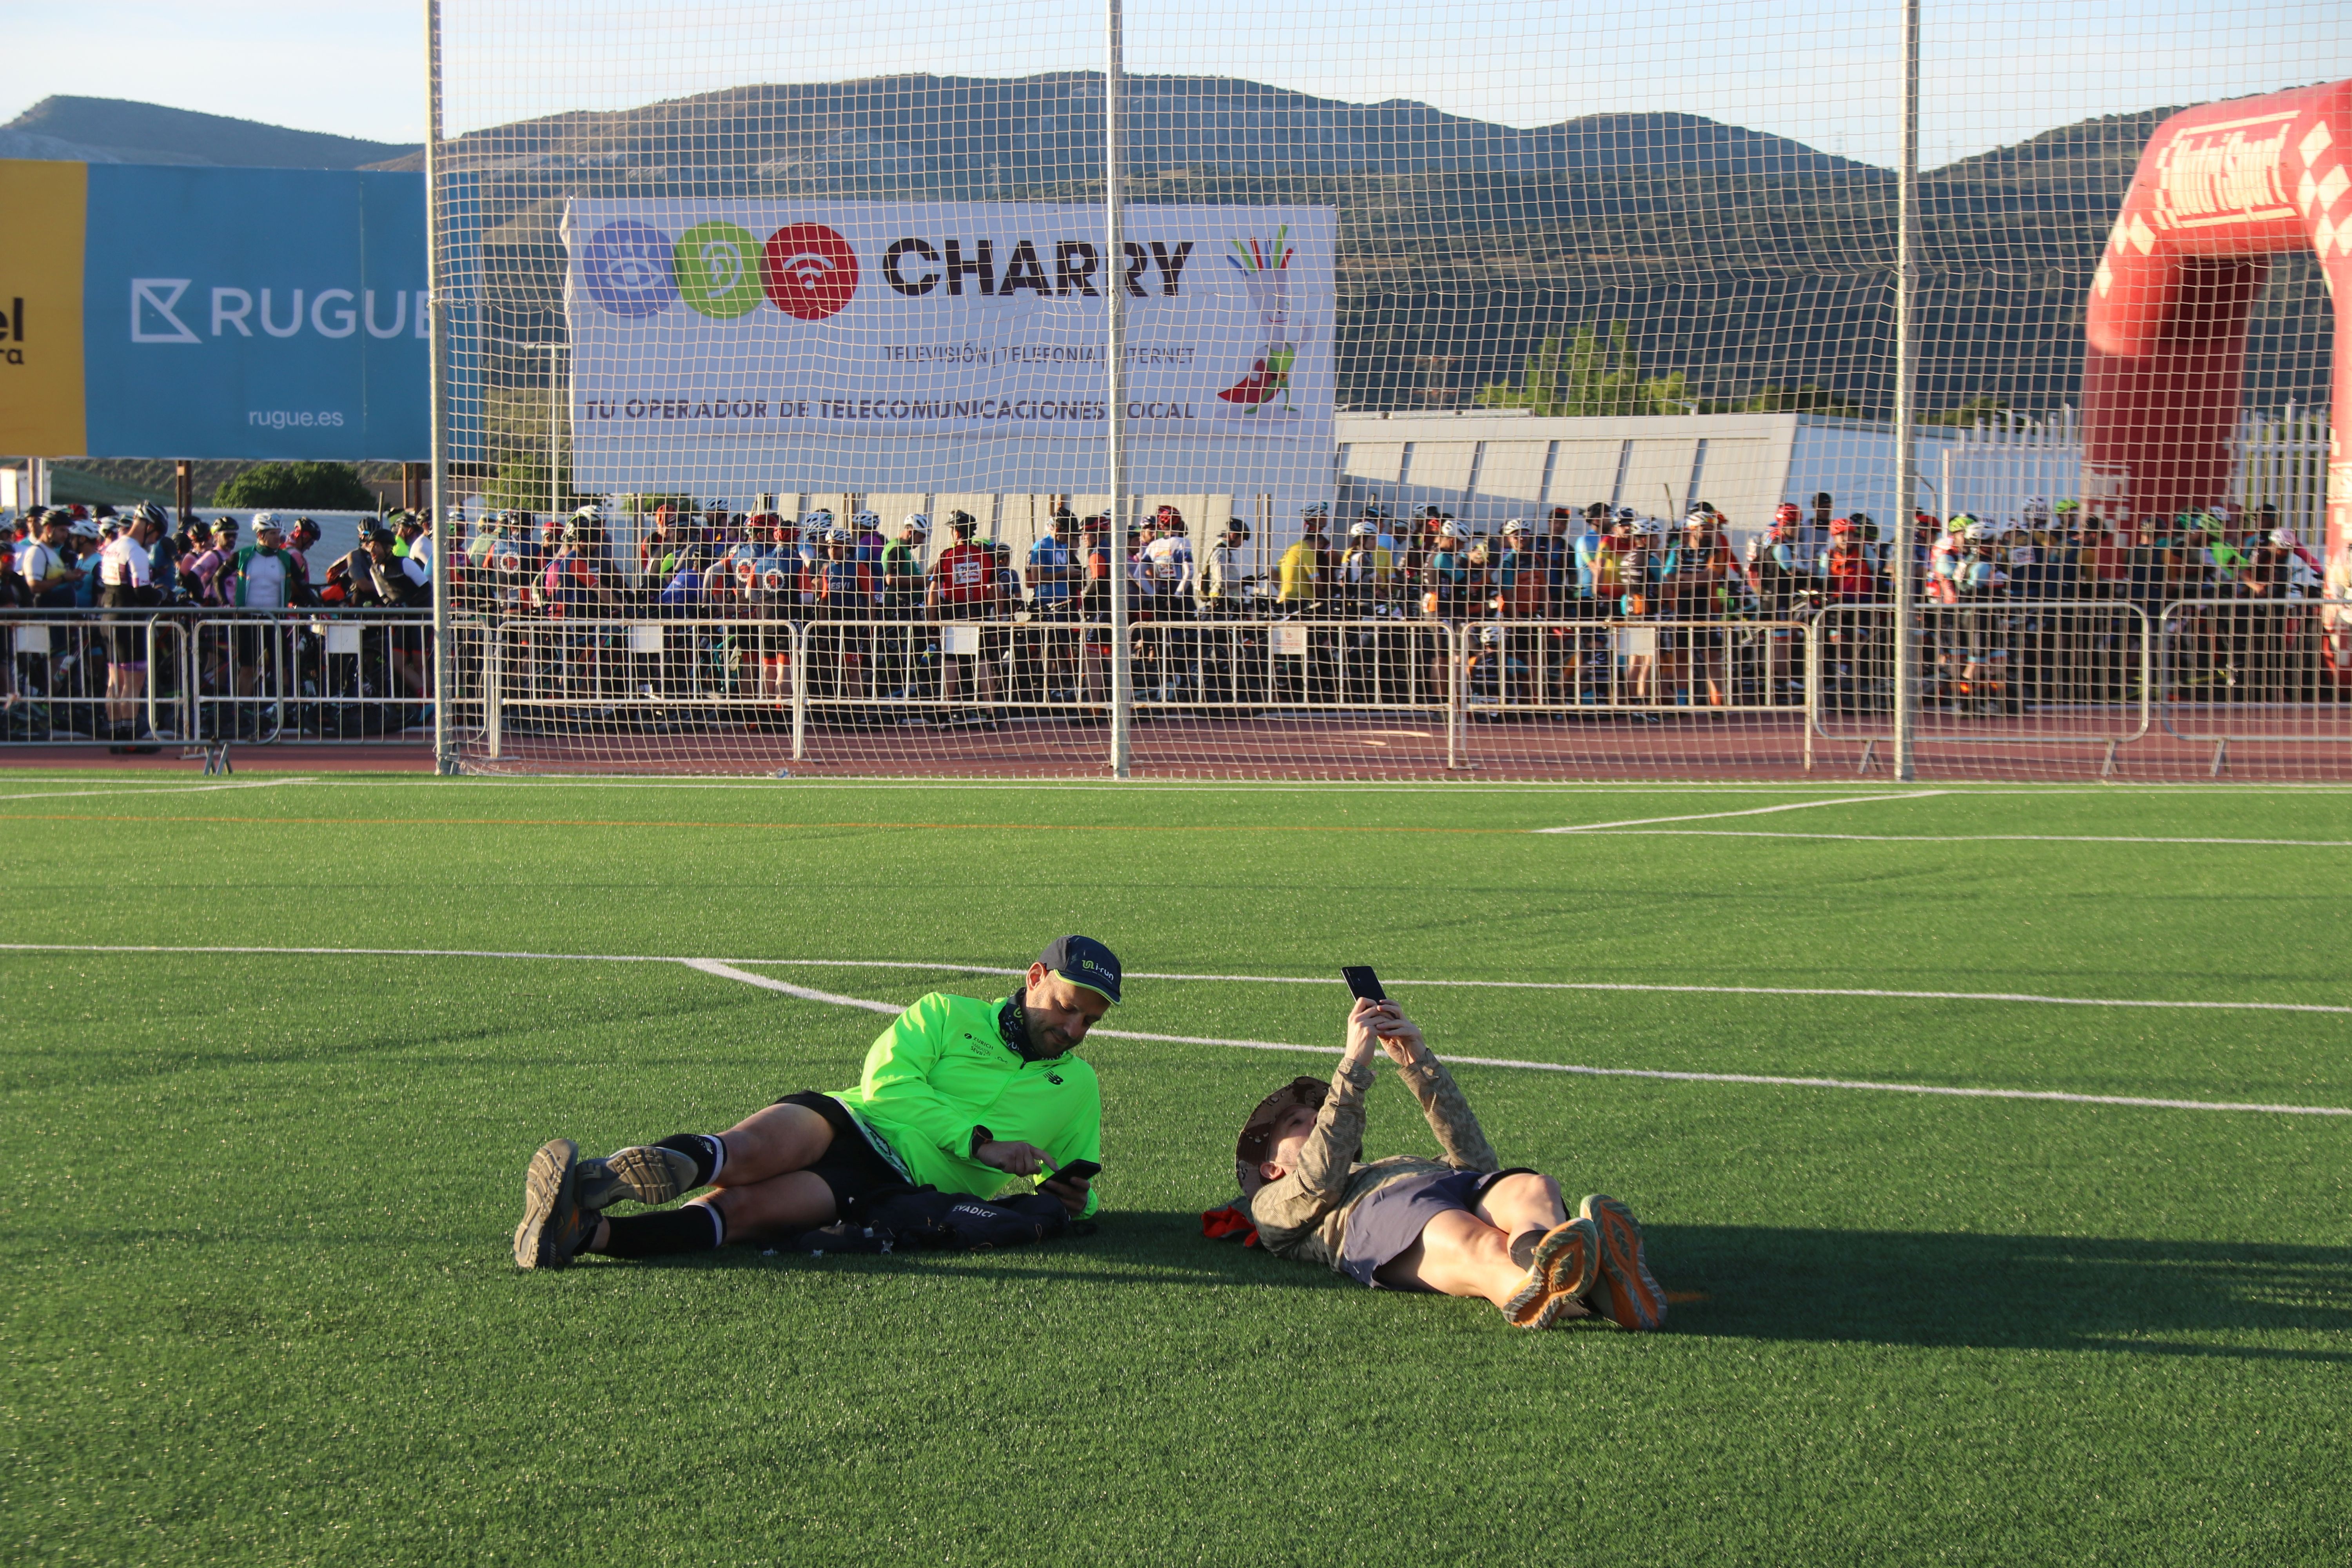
(255, 1301)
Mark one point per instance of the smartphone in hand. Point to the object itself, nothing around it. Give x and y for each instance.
(1076, 1171)
(1363, 983)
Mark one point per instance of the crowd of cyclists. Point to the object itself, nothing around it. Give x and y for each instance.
(89, 677)
(1597, 606)
(1592, 606)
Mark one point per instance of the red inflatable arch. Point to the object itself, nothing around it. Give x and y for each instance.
(2220, 190)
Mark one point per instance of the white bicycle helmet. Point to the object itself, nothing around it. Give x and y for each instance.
(867, 522)
(1366, 530)
(918, 522)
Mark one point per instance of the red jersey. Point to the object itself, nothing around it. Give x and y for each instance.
(966, 574)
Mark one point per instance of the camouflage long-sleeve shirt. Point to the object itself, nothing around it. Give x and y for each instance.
(1305, 1215)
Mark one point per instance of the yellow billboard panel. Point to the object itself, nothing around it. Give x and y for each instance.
(41, 405)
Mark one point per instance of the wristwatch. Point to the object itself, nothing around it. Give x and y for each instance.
(981, 1135)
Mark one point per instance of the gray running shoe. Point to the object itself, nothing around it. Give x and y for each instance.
(553, 1224)
(642, 1173)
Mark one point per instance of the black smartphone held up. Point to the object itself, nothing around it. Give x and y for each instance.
(1076, 1171)
(1363, 983)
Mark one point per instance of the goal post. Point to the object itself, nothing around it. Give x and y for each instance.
(1349, 391)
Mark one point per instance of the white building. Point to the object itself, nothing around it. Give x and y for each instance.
(1487, 468)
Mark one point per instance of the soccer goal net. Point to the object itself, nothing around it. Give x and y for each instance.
(1716, 389)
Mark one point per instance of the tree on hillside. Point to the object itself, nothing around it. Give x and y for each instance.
(310, 487)
(1985, 410)
(1807, 399)
(1590, 376)
(521, 485)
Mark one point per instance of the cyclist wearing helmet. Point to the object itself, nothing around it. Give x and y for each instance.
(1523, 584)
(842, 584)
(867, 527)
(902, 599)
(1445, 579)
(1304, 566)
(963, 589)
(768, 568)
(1367, 573)
(841, 589)
(1226, 577)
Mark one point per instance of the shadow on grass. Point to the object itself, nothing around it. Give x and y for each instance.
(2036, 1292)
(1759, 1282)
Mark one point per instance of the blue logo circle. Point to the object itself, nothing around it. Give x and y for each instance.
(627, 267)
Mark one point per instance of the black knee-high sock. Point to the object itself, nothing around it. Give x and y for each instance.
(697, 1227)
(703, 1148)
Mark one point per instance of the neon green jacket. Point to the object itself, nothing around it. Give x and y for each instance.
(942, 1071)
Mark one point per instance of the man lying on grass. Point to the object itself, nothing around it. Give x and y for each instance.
(957, 1094)
(1462, 1226)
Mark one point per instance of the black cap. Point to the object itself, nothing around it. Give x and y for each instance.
(1083, 961)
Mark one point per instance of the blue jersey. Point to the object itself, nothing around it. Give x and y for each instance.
(1052, 553)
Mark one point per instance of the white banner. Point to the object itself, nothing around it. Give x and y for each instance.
(703, 318)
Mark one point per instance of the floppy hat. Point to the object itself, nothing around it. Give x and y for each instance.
(1257, 1133)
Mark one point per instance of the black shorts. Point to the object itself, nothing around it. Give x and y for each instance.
(849, 1166)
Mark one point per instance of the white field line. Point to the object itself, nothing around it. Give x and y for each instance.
(165, 789)
(725, 971)
(1960, 838)
(768, 982)
(943, 966)
(711, 966)
(1750, 811)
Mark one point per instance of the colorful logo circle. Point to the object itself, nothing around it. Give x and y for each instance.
(717, 269)
(628, 268)
(809, 270)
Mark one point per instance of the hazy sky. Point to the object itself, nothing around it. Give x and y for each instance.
(1822, 71)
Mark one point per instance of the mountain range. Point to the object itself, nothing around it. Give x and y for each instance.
(119, 130)
(1743, 259)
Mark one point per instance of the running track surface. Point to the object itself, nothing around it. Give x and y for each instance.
(1690, 745)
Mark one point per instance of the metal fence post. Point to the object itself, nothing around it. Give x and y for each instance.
(493, 692)
(798, 669)
(1455, 654)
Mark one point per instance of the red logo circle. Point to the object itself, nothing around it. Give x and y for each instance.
(809, 270)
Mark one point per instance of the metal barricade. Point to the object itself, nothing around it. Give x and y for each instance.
(569, 676)
(311, 675)
(1597, 669)
(2011, 672)
(2256, 670)
(78, 677)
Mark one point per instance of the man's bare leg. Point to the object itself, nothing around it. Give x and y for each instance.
(760, 1180)
(1457, 1254)
(1494, 1254)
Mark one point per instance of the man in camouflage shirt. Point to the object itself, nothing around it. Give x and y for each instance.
(1462, 1226)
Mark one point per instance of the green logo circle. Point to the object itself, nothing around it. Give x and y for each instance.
(718, 269)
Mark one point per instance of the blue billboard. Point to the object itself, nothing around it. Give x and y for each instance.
(254, 313)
